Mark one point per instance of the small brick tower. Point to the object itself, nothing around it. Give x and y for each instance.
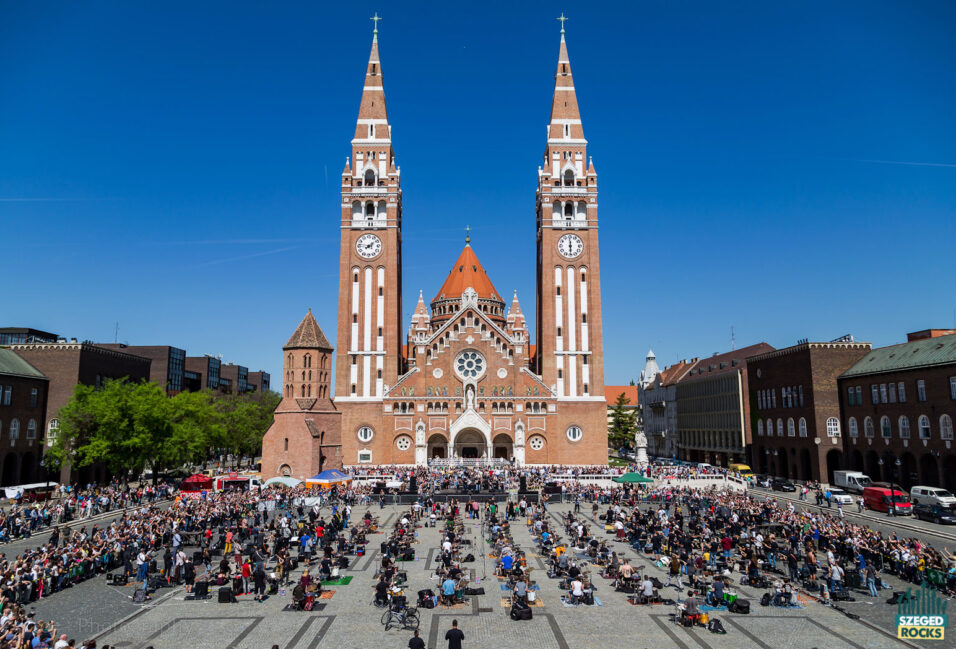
(305, 437)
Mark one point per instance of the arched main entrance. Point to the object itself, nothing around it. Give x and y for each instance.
(928, 470)
(806, 472)
(470, 444)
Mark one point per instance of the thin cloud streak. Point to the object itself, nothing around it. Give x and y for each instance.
(907, 163)
(23, 199)
(242, 257)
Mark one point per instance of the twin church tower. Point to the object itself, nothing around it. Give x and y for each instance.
(467, 380)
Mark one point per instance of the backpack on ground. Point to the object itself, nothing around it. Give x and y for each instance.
(765, 599)
(139, 597)
(714, 626)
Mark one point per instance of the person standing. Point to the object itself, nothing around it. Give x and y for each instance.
(416, 642)
(454, 636)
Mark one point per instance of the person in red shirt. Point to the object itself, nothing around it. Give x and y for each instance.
(727, 545)
(246, 574)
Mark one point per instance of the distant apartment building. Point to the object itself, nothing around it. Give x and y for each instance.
(23, 335)
(68, 364)
(205, 370)
(259, 382)
(23, 403)
(168, 364)
(898, 405)
(713, 411)
(795, 408)
(658, 400)
(234, 376)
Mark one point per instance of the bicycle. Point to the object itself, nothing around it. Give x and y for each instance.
(405, 618)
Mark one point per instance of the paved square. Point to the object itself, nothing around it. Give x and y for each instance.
(350, 621)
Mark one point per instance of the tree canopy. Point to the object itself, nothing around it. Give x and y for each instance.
(623, 423)
(135, 426)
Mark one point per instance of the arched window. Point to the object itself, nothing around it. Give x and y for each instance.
(945, 427)
(32, 429)
(568, 211)
(52, 431)
(904, 423)
(833, 427)
(568, 178)
(802, 426)
(780, 428)
(791, 431)
(14, 430)
(854, 430)
(886, 429)
(868, 427)
(924, 429)
(370, 210)
(369, 178)
(760, 427)
(303, 389)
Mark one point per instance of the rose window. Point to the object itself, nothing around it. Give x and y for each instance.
(470, 365)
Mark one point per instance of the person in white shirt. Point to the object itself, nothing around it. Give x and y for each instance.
(577, 590)
(62, 643)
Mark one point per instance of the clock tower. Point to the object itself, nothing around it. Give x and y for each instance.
(368, 351)
(570, 354)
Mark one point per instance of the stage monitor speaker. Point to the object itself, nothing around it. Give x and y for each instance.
(413, 484)
(201, 590)
(523, 488)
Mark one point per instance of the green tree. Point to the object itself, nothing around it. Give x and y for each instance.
(623, 423)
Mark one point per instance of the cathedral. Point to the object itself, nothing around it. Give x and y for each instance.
(468, 380)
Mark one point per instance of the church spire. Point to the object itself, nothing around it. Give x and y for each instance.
(373, 116)
(565, 117)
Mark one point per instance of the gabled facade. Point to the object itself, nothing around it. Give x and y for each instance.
(465, 380)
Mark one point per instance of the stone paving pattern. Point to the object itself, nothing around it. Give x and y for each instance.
(350, 621)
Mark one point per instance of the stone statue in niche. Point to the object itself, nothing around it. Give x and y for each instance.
(470, 397)
(519, 435)
(420, 435)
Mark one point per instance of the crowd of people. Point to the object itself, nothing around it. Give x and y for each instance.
(705, 539)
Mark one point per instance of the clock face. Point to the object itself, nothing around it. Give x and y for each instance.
(368, 246)
(570, 246)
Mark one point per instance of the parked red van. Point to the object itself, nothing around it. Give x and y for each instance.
(880, 499)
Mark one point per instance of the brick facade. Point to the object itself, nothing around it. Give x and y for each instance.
(881, 422)
(792, 396)
(69, 364)
(23, 403)
(465, 382)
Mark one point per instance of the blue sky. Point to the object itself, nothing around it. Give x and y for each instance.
(788, 169)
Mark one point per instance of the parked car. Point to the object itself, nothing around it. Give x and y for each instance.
(837, 495)
(763, 481)
(782, 485)
(931, 496)
(936, 513)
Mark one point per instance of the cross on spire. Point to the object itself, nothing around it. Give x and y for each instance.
(562, 19)
(375, 20)
(468, 234)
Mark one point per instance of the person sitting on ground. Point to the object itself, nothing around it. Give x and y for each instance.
(298, 596)
(691, 605)
(448, 591)
(381, 592)
(647, 588)
(577, 590)
(521, 590)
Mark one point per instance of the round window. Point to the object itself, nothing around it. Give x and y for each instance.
(470, 365)
(403, 443)
(574, 433)
(536, 442)
(365, 434)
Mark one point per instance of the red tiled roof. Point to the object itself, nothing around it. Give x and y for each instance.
(466, 272)
(726, 362)
(612, 392)
(674, 373)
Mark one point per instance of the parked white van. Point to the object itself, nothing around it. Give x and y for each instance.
(852, 481)
(931, 496)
